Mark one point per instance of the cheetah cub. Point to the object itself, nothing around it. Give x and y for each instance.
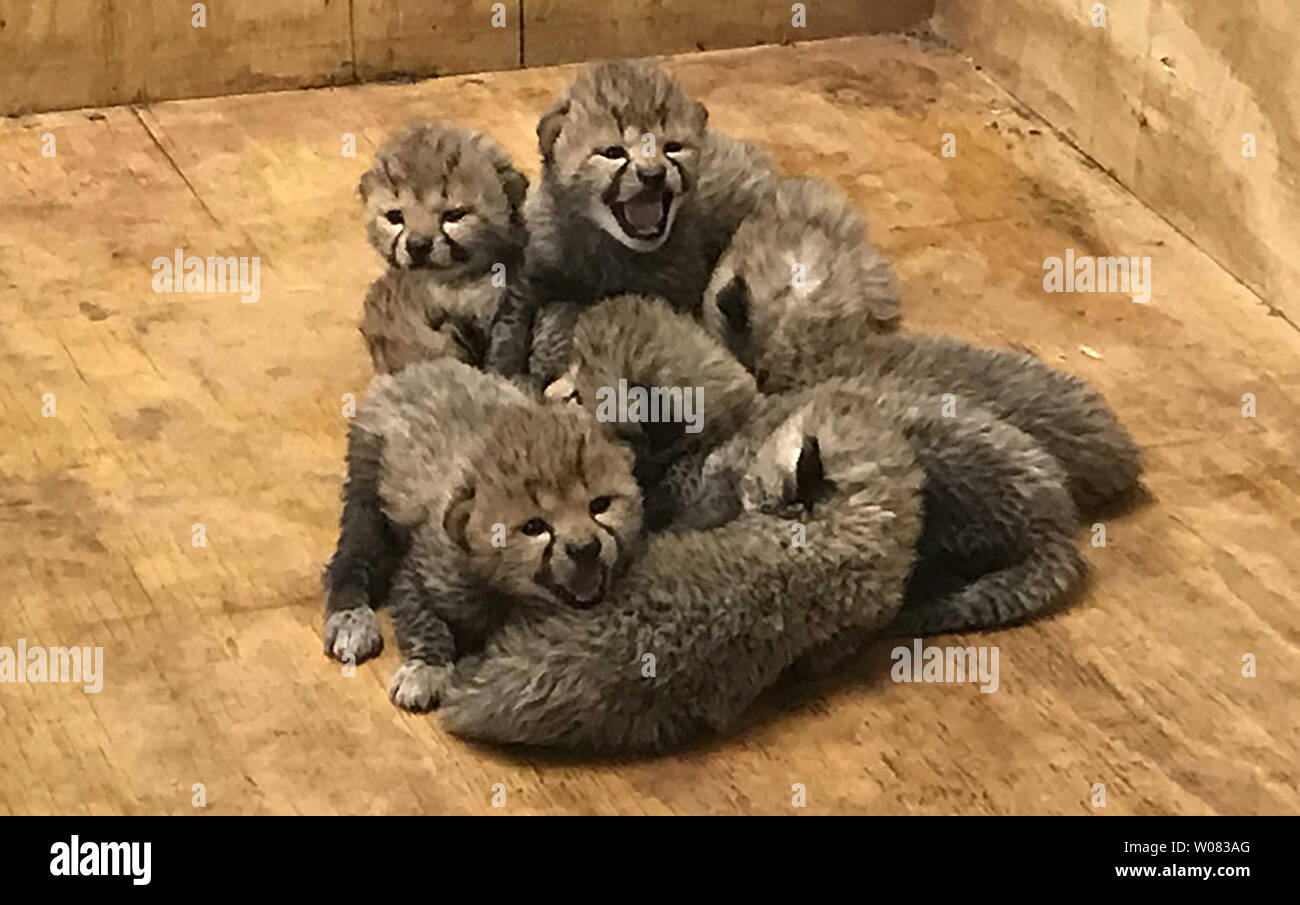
(837, 321)
(509, 508)
(637, 197)
(804, 253)
(443, 207)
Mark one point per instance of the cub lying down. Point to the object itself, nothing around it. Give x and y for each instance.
(792, 542)
(796, 339)
(997, 544)
(507, 508)
(705, 621)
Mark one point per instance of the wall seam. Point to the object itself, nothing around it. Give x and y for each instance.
(522, 59)
(352, 39)
(1273, 310)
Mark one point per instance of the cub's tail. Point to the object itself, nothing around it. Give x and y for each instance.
(1064, 414)
(998, 543)
(1043, 581)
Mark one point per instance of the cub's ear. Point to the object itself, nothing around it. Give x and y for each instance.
(811, 485)
(733, 304)
(455, 521)
(548, 128)
(374, 177)
(367, 184)
(515, 185)
(700, 114)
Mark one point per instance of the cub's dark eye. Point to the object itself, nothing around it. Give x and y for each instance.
(613, 152)
(394, 217)
(672, 147)
(534, 527)
(455, 214)
(599, 505)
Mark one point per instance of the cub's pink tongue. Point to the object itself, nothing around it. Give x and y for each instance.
(644, 211)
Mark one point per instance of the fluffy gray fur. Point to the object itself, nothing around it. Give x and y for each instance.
(803, 243)
(996, 548)
(609, 218)
(790, 341)
(437, 304)
(997, 542)
(509, 506)
(443, 208)
(648, 344)
(371, 543)
(723, 612)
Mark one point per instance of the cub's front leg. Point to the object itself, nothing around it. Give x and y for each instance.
(426, 642)
(552, 339)
(511, 332)
(357, 577)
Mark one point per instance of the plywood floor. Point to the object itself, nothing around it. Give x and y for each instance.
(173, 410)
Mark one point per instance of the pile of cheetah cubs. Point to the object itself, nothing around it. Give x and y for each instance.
(785, 476)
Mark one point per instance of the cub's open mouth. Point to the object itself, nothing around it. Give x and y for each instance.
(584, 590)
(644, 216)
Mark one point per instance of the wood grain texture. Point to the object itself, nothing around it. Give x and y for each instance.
(175, 409)
(566, 31)
(77, 53)
(1162, 96)
(418, 38)
(62, 54)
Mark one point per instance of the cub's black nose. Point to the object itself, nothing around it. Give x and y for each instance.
(581, 551)
(653, 176)
(418, 247)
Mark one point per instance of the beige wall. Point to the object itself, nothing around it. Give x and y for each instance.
(566, 31)
(1162, 96)
(60, 54)
(56, 54)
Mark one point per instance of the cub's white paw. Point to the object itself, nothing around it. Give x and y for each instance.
(770, 480)
(352, 636)
(418, 687)
(562, 389)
